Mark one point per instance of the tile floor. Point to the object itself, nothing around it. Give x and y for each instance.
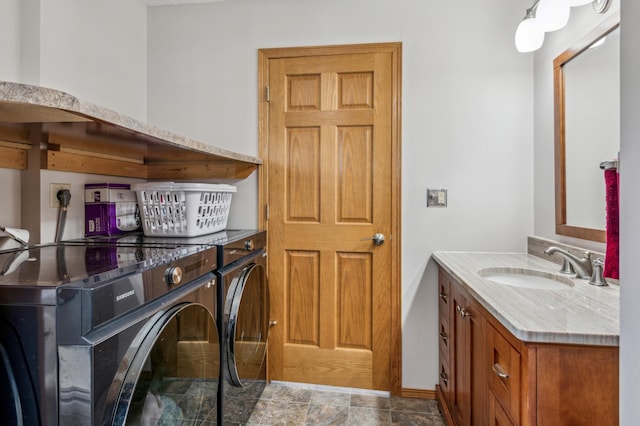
(292, 404)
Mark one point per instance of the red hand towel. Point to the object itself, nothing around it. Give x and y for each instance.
(611, 260)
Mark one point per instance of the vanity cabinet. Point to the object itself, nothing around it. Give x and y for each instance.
(462, 355)
(490, 377)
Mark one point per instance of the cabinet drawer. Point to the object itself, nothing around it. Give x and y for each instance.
(445, 378)
(497, 415)
(444, 294)
(444, 338)
(504, 377)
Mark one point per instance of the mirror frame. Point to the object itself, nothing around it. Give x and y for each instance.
(562, 228)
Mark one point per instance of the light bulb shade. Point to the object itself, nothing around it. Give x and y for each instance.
(529, 36)
(553, 14)
(576, 3)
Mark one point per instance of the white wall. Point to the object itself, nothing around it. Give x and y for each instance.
(10, 194)
(581, 22)
(629, 215)
(93, 50)
(10, 71)
(467, 117)
(9, 39)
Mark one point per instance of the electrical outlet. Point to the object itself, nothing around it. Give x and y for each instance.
(53, 193)
(436, 198)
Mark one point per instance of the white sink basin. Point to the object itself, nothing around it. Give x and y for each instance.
(526, 278)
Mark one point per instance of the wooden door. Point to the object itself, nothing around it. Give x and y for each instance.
(332, 184)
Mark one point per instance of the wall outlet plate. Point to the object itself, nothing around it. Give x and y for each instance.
(54, 203)
(436, 198)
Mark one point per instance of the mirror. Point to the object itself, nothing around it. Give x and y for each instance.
(587, 129)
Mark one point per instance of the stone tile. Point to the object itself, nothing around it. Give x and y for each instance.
(203, 388)
(291, 394)
(371, 401)
(284, 413)
(326, 415)
(197, 408)
(238, 410)
(335, 399)
(363, 416)
(267, 392)
(179, 386)
(403, 418)
(416, 405)
(258, 412)
(298, 405)
(251, 390)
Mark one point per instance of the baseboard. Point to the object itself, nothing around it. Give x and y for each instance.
(418, 393)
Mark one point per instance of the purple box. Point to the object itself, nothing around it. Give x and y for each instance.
(110, 208)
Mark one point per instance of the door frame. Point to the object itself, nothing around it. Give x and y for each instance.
(395, 49)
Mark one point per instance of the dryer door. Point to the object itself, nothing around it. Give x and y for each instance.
(173, 376)
(247, 310)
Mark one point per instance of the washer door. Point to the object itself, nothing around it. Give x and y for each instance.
(247, 310)
(173, 377)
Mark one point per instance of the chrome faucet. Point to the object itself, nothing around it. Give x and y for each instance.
(582, 267)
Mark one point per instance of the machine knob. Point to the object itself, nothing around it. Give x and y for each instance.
(173, 276)
(248, 245)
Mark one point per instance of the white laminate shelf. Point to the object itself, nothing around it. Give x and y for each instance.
(581, 314)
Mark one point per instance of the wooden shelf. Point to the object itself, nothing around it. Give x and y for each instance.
(77, 136)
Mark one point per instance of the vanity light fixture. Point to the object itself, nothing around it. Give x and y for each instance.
(546, 16)
(553, 14)
(529, 35)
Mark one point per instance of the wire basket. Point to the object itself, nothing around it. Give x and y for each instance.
(171, 209)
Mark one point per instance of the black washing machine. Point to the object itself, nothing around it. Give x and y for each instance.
(99, 334)
(244, 316)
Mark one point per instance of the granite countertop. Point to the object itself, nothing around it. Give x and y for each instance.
(580, 314)
(27, 103)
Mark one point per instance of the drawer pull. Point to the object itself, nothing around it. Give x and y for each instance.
(462, 312)
(497, 368)
(443, 296)
(444, 378)
(444, 337)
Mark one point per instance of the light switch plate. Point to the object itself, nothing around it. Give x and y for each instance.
(436, 198)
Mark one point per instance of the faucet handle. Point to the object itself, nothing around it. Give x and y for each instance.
(596, 276)
(567, 267)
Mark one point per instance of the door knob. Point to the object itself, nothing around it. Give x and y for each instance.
(378, 239)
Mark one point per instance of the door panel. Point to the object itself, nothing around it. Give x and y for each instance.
(330, 186)
(303, 319)
(303, 177)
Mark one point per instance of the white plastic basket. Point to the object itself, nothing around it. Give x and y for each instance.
(171, 209)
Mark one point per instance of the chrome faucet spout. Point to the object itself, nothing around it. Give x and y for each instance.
(582, 266)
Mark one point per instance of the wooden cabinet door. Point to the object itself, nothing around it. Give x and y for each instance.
(330, 190)
(469, 366)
